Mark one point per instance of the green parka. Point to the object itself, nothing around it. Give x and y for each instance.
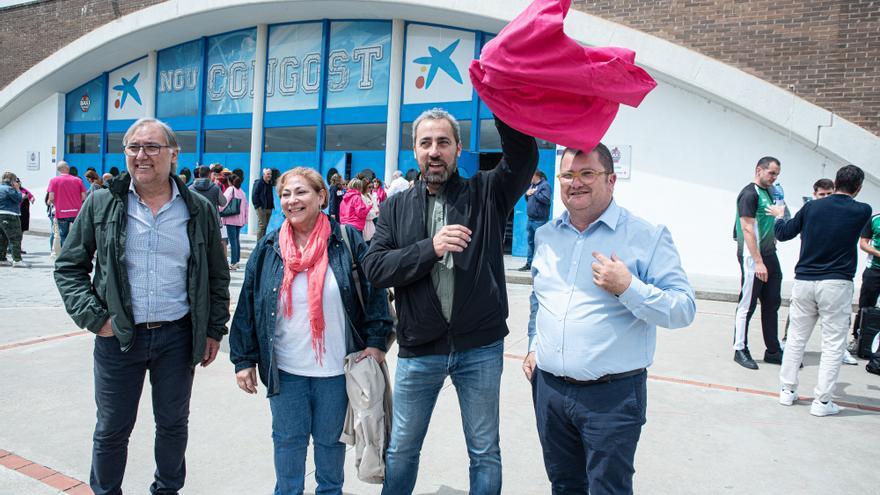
(98, 235)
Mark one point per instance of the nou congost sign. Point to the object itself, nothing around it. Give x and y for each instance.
(358, 65)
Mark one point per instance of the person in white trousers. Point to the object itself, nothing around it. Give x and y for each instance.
(823, 286)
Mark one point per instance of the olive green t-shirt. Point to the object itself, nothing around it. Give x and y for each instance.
(443, 273)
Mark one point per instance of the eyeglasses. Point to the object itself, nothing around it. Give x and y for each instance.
(586, 176)
(149, 149)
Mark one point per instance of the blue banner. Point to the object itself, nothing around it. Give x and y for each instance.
(230, 77)
(179, 81)
(86, 103)
(293, 68)
(359, 64)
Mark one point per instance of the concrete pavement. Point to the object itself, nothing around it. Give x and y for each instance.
(712, 426)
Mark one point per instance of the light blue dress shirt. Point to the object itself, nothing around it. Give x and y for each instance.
(156, 257)
(581, 331)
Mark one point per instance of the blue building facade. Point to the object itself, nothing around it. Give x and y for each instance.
(328, 85)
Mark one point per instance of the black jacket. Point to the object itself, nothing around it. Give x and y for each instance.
(262, 195)
(538, 204)
(402, 254)
(209, 190)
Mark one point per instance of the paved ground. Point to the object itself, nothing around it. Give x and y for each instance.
(713, 427)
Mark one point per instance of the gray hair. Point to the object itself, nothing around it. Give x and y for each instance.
(437, 114)
(170, 137)
(62, 166)
(396, 174)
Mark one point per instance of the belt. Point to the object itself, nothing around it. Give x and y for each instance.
(152, 325)
(603, 379)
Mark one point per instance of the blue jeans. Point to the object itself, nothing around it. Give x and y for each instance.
(233, 232)
(119, 378)
(51, 233)
(64, 228)
(476, 375)
(531, 227)
(307, 406)
(589, 433)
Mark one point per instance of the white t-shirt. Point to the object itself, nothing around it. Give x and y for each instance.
(397, 185)
(293, 337)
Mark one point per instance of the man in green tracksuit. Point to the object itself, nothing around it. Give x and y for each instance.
(158, 301)
(760, 273)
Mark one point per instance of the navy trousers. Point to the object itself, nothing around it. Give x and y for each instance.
(589, 433)
(166, 352)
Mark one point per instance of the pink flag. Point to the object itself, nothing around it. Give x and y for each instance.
(543, 83)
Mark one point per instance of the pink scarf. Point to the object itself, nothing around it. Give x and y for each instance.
(544, 84)
(312, 259)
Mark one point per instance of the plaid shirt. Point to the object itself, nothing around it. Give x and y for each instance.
(156, 255)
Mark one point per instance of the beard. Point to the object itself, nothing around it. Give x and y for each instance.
(438, 177)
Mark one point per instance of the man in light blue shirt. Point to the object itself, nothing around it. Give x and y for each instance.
(603, 280)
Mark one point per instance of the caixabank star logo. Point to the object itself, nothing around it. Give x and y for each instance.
(438, 60)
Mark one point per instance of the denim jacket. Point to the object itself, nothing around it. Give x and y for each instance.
(252, 336)
(10, 199)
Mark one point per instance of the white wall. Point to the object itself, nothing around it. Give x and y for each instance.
(39, 129)
(690, 159)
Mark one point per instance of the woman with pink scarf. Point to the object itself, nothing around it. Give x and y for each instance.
(297, 318)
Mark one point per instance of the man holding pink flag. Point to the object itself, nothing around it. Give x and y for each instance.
(439, 244)
(603, 278)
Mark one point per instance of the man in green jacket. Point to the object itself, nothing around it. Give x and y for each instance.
(158, 300)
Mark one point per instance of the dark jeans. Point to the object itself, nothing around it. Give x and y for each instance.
(233, 232)
(64, 228)
(531, 227)
(10, 236)
(119, 378)
(769, 293)
(589, 433)
(867, 296)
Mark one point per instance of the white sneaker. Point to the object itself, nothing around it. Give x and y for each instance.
(848, 359)
(826, 409)
(853, 347)
(21, 264)
(787, 397)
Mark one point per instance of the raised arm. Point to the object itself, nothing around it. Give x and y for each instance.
(787, 229)
(513, 174)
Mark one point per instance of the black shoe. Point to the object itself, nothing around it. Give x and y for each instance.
(776, 358)
(773, 357)
(744, 359)
(873, 366)
(525, 268)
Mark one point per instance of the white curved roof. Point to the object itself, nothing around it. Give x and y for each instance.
(177, 21)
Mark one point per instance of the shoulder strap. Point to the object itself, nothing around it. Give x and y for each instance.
(355, 269)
